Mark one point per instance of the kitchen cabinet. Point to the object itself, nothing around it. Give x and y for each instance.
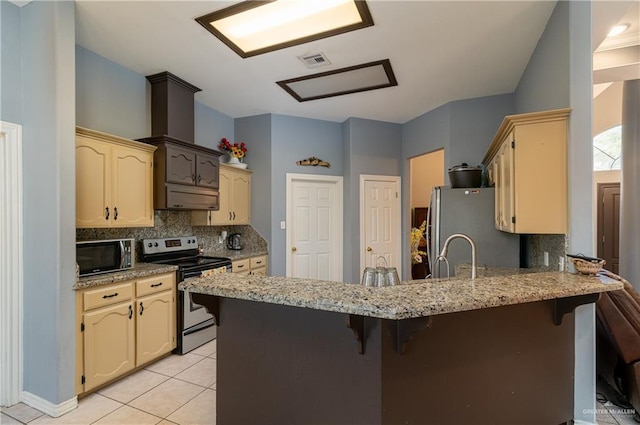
(235, 200)
(528, 166)
(186, 175)
(113, 181)
(251, 266)
(123, 327)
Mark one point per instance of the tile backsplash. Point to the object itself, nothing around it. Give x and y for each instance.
(168, 223)
(555, 245)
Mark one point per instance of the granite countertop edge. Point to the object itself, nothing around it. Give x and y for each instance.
(138, 271)
(237, 255)
(411, 299)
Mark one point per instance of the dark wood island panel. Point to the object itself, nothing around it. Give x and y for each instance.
(290, 365)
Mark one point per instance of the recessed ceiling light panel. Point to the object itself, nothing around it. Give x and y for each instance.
(254, 27)
(617, 30)
(354, 79)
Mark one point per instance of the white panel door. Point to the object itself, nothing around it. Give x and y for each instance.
(381, 221)
(315, 229)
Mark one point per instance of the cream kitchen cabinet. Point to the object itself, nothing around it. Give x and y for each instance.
(114, 186)
(123, 326)
(528, 166)
(251, 266)
(235, 200)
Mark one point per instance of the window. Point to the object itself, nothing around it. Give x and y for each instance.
(607, 149)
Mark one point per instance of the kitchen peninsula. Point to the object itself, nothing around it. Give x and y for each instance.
(494, 350)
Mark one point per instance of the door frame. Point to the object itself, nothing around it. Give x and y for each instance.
(11, 255)
(600, 186)
(338, 233)
(363, 243)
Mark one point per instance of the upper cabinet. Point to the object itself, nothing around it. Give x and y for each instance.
(235, 199)
(527, 163)
(113, 181)
(186, 175)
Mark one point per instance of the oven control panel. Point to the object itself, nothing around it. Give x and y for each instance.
(164, 245)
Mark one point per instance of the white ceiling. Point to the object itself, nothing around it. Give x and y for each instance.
(440, 51)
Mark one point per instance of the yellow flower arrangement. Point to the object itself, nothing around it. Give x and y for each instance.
(417, 234)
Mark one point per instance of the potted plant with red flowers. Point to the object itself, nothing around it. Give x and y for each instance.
(235, 151)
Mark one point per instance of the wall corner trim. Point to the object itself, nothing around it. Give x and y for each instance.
(53, 410)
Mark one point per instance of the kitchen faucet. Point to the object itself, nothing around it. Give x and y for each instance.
(445, 248)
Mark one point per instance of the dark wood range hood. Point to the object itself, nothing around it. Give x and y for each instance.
(185, 174)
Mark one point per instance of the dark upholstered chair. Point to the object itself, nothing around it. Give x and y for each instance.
(618, 331)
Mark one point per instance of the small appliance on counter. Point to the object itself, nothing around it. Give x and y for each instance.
(104, 256)
(234, 241)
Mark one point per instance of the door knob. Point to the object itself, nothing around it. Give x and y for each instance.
(294, 249)
(369, 249)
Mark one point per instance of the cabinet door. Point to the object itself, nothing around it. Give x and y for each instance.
(495, 171)
(155, 326)
(132, 198)
(181, 165)
(506, 187)
(93, 187)
(109, 344)
(241, 198)
(207, 171)
(224, 215)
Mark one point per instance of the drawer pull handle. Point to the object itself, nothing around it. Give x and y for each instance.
(110, 296)
(106, 217)
(115, 212)
(258, 262)
(130, 312)
(240, 266)
(155, 285)
(141, 308)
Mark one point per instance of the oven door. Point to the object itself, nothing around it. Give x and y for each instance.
(192, 313)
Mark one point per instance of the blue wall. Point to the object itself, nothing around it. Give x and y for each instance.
(117, 100)
(256, 133)
(48, 99)
(11, 62)
(293, 139)
(370, 147)
(110, 98)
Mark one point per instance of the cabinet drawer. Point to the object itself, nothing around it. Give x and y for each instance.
(155, 284)
(260, 271)
(108, 295)
(241, 266)
(257, 262)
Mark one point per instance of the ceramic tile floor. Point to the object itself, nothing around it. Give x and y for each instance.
(175, 390)
(179, 390)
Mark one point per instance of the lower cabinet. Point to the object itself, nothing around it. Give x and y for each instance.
(122, 327)
(251, 266)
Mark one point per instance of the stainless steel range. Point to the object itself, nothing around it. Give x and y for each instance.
(195, 325)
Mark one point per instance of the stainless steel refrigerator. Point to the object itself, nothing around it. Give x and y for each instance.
(469, 211)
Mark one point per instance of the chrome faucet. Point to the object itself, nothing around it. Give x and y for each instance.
(443, 255)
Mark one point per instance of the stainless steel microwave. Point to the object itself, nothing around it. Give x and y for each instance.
(103, 256)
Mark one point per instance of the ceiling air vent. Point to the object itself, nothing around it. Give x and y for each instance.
(315, 60)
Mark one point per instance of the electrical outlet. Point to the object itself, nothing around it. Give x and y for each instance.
(561, 264)
(283, 225)
(546, 258)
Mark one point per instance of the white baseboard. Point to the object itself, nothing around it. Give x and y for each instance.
(53, 410)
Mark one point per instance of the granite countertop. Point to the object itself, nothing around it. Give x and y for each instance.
(416, 298)
(140, 270)
(235, 255)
